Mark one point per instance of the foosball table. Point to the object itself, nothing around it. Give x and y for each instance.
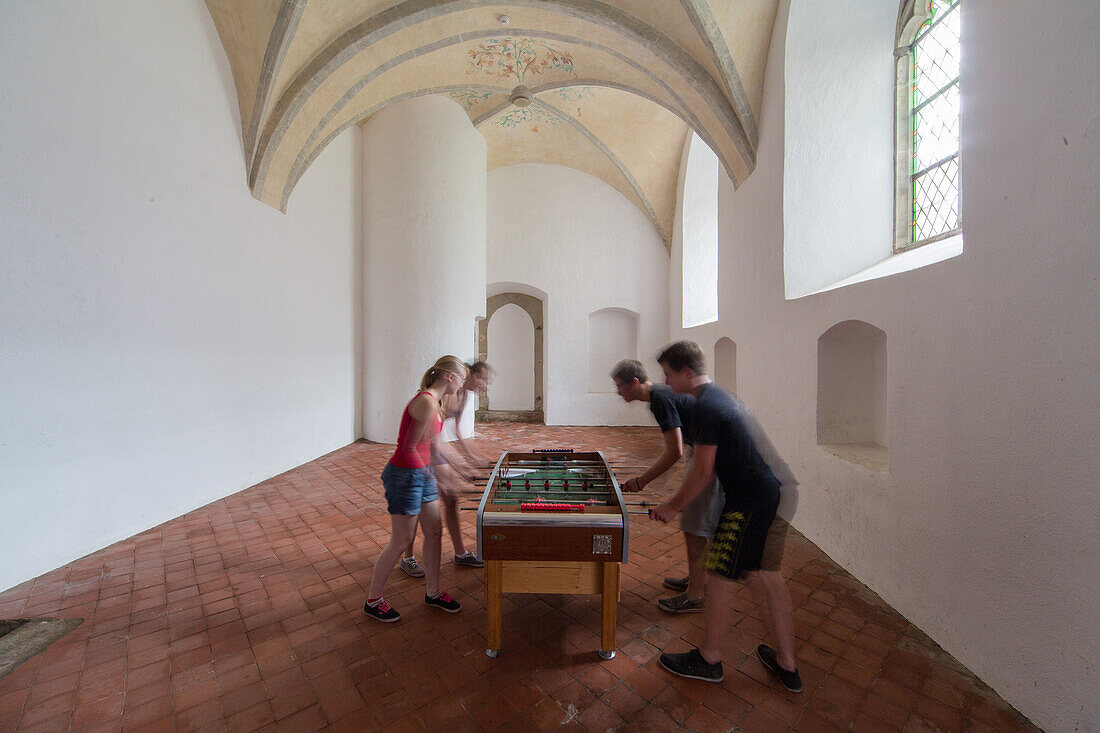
(552, 521)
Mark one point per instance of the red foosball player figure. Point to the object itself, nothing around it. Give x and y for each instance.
(527, 484)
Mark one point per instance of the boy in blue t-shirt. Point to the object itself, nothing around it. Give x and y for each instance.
(722, 430)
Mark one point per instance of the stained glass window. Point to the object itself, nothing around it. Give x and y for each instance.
(933, 119)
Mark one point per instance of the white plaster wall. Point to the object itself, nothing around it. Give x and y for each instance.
(983, 533)
(165, 339)
(423, 249)
(837, 199)
(511, 350)
(582, 243)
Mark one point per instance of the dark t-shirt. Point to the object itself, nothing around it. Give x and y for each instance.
(670, 409)
(720, 419)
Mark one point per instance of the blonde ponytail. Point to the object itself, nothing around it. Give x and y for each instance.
(451, 364)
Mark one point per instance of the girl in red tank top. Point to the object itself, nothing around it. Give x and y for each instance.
(411, 491)
(478, 377)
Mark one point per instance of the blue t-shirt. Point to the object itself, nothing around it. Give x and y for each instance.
(671, 410)
(720, 419)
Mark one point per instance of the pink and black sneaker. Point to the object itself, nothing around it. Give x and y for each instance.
(382, 611)
(443, 601)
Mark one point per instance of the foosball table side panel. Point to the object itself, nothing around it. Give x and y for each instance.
(547, 543)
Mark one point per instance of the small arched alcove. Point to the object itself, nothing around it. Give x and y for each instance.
(612, 336)
(725, 364)
(851, 393)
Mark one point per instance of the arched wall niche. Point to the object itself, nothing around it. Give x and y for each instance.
(851, 393)
(725, 364)
(532, 302)
(612, 337)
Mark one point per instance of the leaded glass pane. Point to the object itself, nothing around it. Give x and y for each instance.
(935, 123)
(936, 129)
(936, 201)
(936, 56)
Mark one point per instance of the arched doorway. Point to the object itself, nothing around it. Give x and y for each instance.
(533, 307)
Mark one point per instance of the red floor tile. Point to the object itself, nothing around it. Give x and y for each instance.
(244, 615)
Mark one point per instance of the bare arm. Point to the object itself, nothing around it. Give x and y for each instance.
(674, 450)
(700, 475)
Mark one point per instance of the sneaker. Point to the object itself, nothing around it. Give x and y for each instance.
(677, 584)
(444, 602)
(692, 665)
(468, 559)
(382, 611)
(791, 680)
(411, 568)
(682, 604)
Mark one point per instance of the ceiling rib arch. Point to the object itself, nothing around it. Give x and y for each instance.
(312, 148)
(616, 85)
(705, 24)
(286, 25)
(737, 153)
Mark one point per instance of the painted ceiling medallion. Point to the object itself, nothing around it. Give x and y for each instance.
(518, 57)
(520, 96)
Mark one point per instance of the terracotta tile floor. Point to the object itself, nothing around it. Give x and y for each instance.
(246, 615)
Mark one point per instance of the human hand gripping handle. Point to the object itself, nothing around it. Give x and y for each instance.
(664, 513)
(633, 486)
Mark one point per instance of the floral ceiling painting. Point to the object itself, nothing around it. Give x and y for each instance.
(518, 57)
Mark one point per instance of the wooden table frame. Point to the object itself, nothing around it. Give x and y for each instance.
(544, 576)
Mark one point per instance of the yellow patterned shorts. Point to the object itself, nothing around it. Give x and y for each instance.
(738, 543)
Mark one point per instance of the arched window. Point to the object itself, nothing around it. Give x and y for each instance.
(700, 227)
(928, 171)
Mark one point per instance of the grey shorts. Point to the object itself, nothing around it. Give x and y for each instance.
(701, 516)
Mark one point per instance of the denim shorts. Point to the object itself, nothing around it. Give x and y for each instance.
(408, 488)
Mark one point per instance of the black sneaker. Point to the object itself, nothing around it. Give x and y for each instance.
(681, 604)
(444, 602)
(691, 664)
(382, 611)
(677, 584)
(791, 680)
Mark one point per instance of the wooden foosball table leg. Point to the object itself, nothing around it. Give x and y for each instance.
(493, 593)
(610, 605)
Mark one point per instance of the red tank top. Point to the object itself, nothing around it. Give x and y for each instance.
(418, 455)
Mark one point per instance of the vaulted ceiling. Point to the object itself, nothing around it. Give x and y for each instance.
(614, 85)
